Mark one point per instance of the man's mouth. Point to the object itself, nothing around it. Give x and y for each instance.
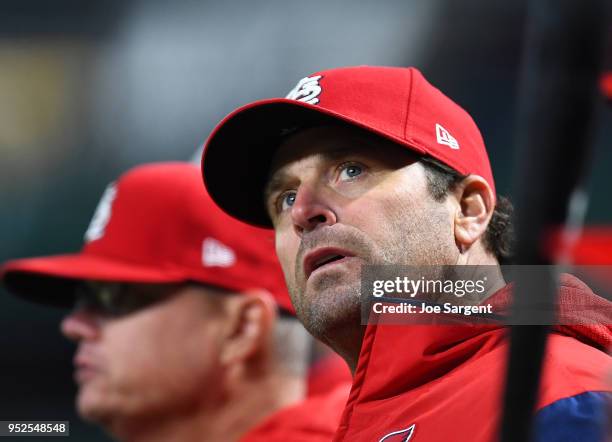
(84, 374)
(84, 369)
(322, 258)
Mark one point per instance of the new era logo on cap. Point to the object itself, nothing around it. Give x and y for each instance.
(444, 137)
(217, 254)
(102, 215)
(307, 90)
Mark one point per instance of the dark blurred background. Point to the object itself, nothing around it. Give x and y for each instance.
(89, 89)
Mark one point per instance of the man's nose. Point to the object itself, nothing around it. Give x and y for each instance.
(312, 209)
(80, 324)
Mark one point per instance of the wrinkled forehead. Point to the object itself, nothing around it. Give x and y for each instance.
(335, 142)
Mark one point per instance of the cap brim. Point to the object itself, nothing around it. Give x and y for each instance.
(51, 280)
(237, 156)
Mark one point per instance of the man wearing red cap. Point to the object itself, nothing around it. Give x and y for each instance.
(184, 328)
(373, 165)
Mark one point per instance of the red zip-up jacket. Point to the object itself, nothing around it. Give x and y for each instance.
(313, 420)
(443, 383)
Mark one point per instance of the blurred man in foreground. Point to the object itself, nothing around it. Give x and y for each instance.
(373, 166)
(184, 328)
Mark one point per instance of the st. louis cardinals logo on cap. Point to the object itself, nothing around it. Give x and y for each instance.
(400, 435)
(307, 90)
(102, 214)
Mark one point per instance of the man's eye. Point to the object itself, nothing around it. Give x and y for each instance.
(350, 171)
(286, 200)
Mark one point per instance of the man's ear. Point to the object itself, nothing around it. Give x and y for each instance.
(476, 204)
(251, 317)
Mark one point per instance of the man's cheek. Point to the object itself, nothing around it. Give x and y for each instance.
(286, 252)
(288, 268)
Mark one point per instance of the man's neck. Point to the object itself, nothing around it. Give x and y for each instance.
(483, 265)
(241, 410)
(346, 340)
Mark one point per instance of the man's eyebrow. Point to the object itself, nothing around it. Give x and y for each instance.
(275, 182)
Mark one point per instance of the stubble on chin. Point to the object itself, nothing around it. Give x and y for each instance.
(329, 303)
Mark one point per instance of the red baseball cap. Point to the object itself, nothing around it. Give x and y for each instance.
(156, 224)
(396, 103)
